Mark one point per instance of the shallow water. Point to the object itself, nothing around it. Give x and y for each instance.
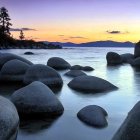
(117, 103)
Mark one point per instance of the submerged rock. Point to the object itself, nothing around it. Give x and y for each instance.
(93, 115)
(5, 57)
(130, 129)
(9, 120)
(113, 58)
(44, 74)
(13, 71)
(58, 63)
(91, 84)
(28, 53)
(36, 100)
(74, 73)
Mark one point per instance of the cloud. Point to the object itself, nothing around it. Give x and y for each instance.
(117, 32)
(23, 29)
(77, 37)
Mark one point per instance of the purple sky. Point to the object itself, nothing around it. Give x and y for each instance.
(50, 15)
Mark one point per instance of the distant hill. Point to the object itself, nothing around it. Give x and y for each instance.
(107, 43)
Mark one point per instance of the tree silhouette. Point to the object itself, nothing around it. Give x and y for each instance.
(5, 21)
(21, 37)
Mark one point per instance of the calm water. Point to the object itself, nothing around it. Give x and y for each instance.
(117, 103)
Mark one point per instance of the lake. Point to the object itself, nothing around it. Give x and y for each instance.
(117, 103)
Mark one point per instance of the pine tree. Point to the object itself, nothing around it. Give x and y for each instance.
(5, 21)
(21, 35)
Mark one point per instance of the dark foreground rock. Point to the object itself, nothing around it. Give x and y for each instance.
(58, 63)
(5, 57)
(135, 62)
(87, 68)
(130, 129)
(74, 73)
(28, 53)
(9, 120)
(36, 100)
(113, 58)
(91, 84)
(13, 71)
(76, 67)
(93, 115)
(44, 74)
(127, 57)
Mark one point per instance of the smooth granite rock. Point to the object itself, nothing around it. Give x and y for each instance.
(36, 100)
(91, 84)
(127, 57)
(74, 73)
(9, 120)
(44, 74)
(93, 115)
(58, 63)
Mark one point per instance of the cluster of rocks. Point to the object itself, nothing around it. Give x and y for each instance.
(36, 98)
(114, 58)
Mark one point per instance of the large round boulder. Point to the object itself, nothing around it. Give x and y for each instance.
(13, 71)
(36, 100)
(91, 84)
(9, 120)
(113, 58)
(130, 129)
(58, 63)
(5, 57)
(93, 115)
(137, 50)
(127, 57)
(44, 74)
(74, 73)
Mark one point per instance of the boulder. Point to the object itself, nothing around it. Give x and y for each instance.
(135, 62)
(137, 50)
(5, 57)
(44, 74)
(91, 84)
(93, 115)
(113, 58)
(28, 53)
(87, 68)
(127, 57)
(36, 100)
(74, 73)
(13, 71)
(130, 129)
(76, 67)
(58, 63)
(9, 120)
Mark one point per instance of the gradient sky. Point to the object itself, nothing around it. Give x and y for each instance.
(76, 20)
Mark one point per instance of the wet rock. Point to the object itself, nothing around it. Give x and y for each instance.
(44, 74)
(74, 73)
(36, 100)
(93, 115)
(91, 84)
(130, 129)
(76, 67)
(113, 58)
(9, 120)
(127, 57)
(13, 71)
(58, 63)
(135, 62)
(5, 57)
(87, 68)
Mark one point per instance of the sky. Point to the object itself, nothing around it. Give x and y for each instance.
(75, 20)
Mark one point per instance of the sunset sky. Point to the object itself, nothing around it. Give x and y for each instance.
(75, 20)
